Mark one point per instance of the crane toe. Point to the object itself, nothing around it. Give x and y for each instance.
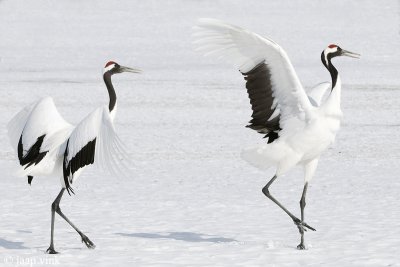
(303, 226)
(87, 242)
(301, 246)
(51, 250)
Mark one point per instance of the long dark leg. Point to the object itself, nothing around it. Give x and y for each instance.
(54, 206)
(85, 239)
(266, 192)
(302, 206)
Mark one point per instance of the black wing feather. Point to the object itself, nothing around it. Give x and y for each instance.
(84, 157)
(259, 88)
(33, 154)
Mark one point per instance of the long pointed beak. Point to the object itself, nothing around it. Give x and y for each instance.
(349, 54)
(127, 69)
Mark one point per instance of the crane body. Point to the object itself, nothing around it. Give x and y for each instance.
(47, 145)
(298, 127)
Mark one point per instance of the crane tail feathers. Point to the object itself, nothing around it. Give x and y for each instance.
(256, 157)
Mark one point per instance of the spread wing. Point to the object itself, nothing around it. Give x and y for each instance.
(94, 140)
(277, 97)
(32, 131)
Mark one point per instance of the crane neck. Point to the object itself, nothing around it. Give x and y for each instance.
(332, 104)
(111, 91)
(326, 60)
(334, 73)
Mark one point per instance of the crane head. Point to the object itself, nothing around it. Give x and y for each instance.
(334, 51)
(112, 68)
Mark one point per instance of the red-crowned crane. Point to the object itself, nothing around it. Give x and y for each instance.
(47, 145)
(298, 127)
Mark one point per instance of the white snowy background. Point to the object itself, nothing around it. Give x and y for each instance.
(190, 199)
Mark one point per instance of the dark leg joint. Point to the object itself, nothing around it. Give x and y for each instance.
(54, 206)
(302, 203)
(266, 191)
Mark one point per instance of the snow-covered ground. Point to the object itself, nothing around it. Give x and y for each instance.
(191, 200)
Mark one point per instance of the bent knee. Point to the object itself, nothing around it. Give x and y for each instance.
(265, 191)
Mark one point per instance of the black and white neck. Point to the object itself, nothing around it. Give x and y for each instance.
(326, 56)
(110, 68)
(332, 104)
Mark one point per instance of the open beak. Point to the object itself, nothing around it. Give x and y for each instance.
(349, 54)
(127, 69)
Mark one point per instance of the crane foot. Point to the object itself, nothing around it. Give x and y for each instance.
(302, 226)
(51, 250)
(301, 246)
(87, 242)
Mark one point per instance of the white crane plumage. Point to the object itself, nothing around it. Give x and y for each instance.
(299, 127)
(46, 144)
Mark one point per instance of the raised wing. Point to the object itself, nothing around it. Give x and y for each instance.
(316, 93)
(272, 82)
(94, 140)
(16, 125)
(31, 130)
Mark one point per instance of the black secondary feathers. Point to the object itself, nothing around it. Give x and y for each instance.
(84, 157)
(259, 88)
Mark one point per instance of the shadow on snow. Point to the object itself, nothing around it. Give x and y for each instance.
(11, 245)
(182, 236)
